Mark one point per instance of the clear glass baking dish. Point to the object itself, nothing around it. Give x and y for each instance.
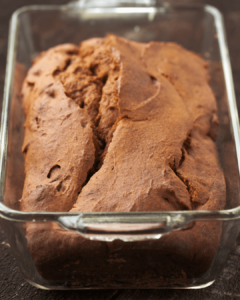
(117, 250)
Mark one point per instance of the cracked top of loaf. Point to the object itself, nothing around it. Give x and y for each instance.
(115, 125)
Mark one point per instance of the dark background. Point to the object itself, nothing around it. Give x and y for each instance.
(227, 286)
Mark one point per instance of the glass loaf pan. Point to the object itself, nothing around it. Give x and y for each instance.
(117, 250)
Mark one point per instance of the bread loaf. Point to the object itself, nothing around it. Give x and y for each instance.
(119, 126)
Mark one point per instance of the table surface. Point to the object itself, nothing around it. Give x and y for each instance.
(227, 286)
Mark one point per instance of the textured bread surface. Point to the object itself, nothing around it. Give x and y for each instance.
(119, 126)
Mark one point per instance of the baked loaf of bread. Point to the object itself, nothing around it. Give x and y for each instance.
(119, 126)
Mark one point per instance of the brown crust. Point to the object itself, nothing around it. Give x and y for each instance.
(145, 120)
